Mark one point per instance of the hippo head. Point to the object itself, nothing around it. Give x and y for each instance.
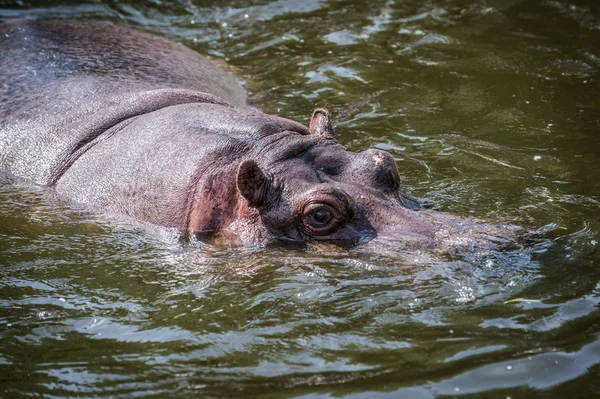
(307, 188)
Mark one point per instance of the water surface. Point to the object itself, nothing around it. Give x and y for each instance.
(491, 109)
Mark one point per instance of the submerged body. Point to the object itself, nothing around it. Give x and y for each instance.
(131, 123)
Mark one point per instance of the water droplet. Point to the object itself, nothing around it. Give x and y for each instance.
(509, 367)
(246, 16)
(537, 157)
(224, 24)
(456, 389)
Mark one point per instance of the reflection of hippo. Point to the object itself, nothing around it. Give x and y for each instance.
(131, 123)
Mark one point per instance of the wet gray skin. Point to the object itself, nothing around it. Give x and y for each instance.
(131, 123)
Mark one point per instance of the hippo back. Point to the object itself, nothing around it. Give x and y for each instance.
(65, 84)
(34, 53)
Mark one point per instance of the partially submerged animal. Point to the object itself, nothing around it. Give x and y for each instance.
(128, 122)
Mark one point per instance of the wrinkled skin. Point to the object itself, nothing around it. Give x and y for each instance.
(131, 123)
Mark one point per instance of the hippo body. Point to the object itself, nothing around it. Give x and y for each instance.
(131, 123)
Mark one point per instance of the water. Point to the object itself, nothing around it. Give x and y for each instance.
(491, 109)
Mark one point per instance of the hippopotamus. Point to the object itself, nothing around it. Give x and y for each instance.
(128, 122)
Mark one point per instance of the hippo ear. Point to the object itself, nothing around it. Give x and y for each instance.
(320, 123)
(252, 183)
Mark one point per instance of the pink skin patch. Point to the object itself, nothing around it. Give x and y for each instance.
(378, 158)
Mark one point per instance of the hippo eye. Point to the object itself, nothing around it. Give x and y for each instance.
(320, 219)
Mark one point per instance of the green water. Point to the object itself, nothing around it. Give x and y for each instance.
(491, 109)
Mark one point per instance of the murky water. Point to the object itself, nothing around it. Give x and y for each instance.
(492, 110)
